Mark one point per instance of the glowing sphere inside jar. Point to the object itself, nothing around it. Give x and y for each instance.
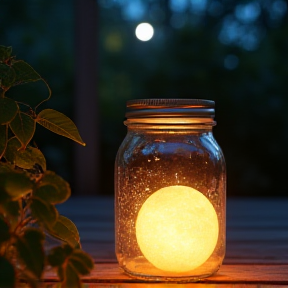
(177, 229)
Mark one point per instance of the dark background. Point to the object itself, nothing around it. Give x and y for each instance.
(232, 52)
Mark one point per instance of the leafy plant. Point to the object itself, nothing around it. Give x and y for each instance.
(29, 192)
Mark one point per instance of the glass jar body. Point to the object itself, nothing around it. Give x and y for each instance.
(155, 157)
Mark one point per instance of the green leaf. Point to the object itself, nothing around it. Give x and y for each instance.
(44, 212)
(31, 252)
(7, 76)
(59, 124)
(81, 261)
(23, 126)
(30, 158)
(65, 230)
(24, 73)
(7, 274)
(3, 195)
(11, 210)
(5, 54)
(27, 159)
(3, 139)
(13, 145)
(15, 184)
(8, 110)
(59, 254)
(71, 277)
(4, 231)
(6, 167)
(70, 264)
(52, 188)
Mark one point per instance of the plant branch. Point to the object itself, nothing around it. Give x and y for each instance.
(23, 223)
(49, 96)
(25, 104)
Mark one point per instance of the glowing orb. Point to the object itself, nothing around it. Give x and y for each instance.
(144, 31)
(177, 229)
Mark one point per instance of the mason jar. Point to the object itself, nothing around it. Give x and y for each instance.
(170, 191)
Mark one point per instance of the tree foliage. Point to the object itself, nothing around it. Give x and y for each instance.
(222, 53)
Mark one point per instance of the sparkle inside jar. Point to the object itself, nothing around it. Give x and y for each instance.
(170, 185)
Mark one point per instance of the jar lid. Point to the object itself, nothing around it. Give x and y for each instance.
(155, 108)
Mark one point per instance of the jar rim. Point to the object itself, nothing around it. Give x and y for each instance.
(155, 108)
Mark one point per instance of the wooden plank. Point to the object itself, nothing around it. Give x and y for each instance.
(233, 274)
(239, 253)
(257, 229)
(257, 244)
(170, 285)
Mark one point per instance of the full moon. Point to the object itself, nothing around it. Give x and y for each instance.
(177, 229)
(144, 31)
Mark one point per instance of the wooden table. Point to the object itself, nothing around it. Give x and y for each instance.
(257, 244)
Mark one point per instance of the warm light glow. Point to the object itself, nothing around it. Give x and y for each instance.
(144, 31)
(177, 229)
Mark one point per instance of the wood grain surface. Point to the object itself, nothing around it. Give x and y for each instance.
(236, 274)
(257, 242)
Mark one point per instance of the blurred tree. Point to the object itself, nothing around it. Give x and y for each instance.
(233, 52)
(228, 51)
(41, 32)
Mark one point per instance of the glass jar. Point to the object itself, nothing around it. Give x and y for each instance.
(170, 191)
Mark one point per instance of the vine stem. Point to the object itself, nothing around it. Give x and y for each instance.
(22, 223)
(24, 104)
(49, 96)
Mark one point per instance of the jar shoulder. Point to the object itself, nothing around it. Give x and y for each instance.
(184, 145)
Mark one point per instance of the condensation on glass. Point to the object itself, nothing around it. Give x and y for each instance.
(169, 143)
